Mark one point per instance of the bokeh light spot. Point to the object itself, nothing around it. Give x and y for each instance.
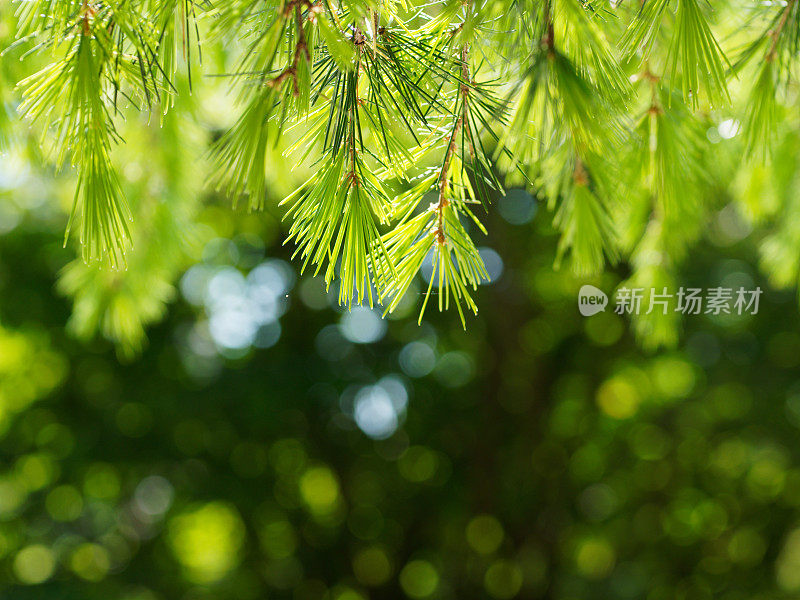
(746, 547)
(101, 481)
(597, 502)
(374, 413)
(278, 539)
(595, 558)
(207, 541)
(604, 329)
(787, 567)
(90, 562)
(618, 398)
(372, 566)
(517, 207)
(153, 496)
(12, 496)
(455, 369)
(484, 534)
(417, 359)
(419, 579)
(493, 263)
(288, 456)
(418, 464)
(363, 325)
(346, 593)
(34, 564)
(64, 503)
(36, 471)
(649, 442)
(503, 579)
(319, 489)
(673, 377)
(379, 409)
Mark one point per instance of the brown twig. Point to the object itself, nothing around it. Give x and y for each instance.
(87, 12)
(465, 90)
(777, 31)
(462, 122)
(355, 181)
(549, 37)
(375, 27)
(579, 174)
(353, 174)
(301, 48)
(653, 80)
(443, 179)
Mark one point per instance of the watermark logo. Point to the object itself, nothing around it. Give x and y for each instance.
(686, 301)
(591, 300)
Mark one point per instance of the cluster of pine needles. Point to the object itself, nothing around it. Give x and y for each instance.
(415, 116)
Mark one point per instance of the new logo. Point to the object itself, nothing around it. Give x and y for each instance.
(591, 300)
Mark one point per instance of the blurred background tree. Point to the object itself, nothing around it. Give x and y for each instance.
(267, 443)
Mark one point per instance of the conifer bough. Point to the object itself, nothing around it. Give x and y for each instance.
(416, 115)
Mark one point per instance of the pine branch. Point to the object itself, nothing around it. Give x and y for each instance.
(772, 77)
(438, 105)
(73, 89)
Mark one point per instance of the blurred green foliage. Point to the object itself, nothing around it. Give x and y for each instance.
(328, 454)
(540, 455)
(268, 444)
